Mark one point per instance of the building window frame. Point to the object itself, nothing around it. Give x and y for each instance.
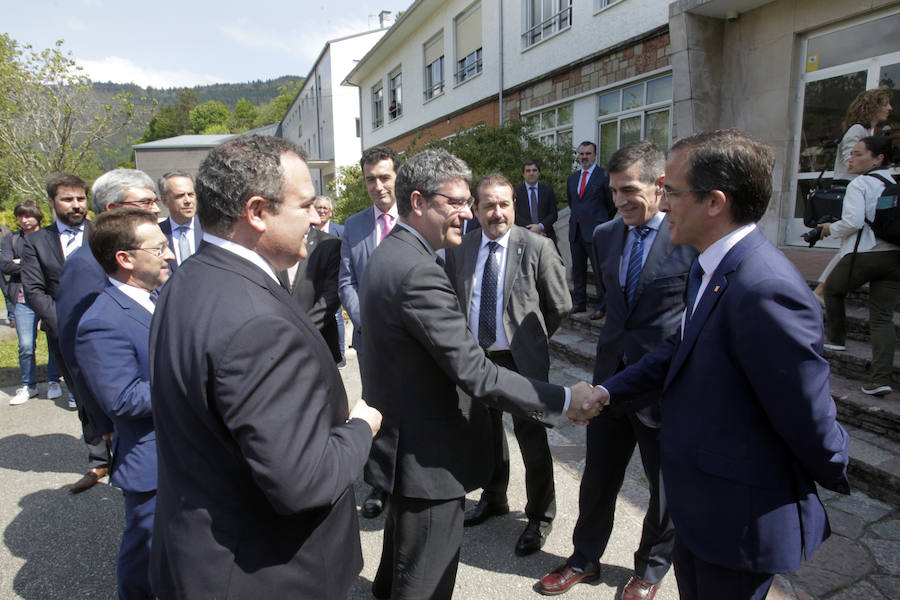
(469, 66)
(377, 105)
(539, 27)
(600, 5)
(633, 111)
(433, 77)
(395, 94)
(552, 126)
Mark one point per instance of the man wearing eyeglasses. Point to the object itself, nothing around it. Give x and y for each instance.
(418, 348)
(748, 422)
(112, 343)
(81, 281)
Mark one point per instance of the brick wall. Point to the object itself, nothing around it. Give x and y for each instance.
(487, 114)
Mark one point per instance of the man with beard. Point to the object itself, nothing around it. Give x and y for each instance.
(513, 322)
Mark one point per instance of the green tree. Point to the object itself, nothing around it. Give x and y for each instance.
(209, 114)
(244, 116)
(348, 192)
(172, 119)
(47, 121)
(502, 149)
(275, 110)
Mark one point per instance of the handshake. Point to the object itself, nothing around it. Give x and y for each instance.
(586, 402)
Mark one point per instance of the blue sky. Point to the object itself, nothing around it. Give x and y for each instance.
(173, 44)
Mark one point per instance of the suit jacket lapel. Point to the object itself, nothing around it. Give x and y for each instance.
(655, 258)
(616, 241)
(470, 257)
(130, 306)
(55, 243)
(715, 289)
(514, 252)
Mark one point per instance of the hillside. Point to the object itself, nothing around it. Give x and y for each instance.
(256, 92)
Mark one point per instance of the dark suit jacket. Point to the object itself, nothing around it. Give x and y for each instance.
(748, 421)
(357, 245)
(11, 247)
(256, 461)
(632, 330)
(166, 227)
(547, 213)
(418, 349)
(315, 286)
(335, 229)
(81, 281)
(112, 345)
(535, 294)
(42, 262)
(595, 206)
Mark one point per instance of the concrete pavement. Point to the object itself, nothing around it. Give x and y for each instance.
(56, 545)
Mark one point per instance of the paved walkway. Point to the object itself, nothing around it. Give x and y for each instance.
(59, 546)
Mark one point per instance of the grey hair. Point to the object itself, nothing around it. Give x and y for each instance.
(113, 186)
(652, 159)
(234, 172)
(427, 172)
(330, 203)
(163, 182)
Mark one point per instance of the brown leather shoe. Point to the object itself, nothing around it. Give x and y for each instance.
(88, 480)
(560, 579)
(638, 589)
(597, 315)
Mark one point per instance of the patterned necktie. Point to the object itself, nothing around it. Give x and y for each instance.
(635, 261)
(583, 183)
(154, 296)
(72, 233)
(694, 280)
(532, 204)
(184, 244)
(487, 311)
(387, 225)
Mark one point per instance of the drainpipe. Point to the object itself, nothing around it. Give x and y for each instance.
(500, 92)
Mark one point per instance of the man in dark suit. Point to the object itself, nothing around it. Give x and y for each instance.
(312, 283)
(363, 232)
(590, 204)
(112, 344)
(418, 349)
(325, 211)
(748, 423)
(82, 279)
(43, 255)
(257, 455)
(535, 202)
(531, 297)
(182, 229)
(643, 279)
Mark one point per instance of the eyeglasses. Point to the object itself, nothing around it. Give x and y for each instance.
(457, 204)
(157, 251)
(143, 203)
(667, 191)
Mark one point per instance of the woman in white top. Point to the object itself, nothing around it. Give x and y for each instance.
(867, 110)
(874, 261)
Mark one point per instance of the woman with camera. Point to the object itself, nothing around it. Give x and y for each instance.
(865, 258)
(867, 110)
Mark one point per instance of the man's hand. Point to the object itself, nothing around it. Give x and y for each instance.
(586, 402)
(536, 228)
(370, 415)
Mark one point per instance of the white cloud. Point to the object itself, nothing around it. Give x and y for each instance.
(123, 70)
(93, 3)
(76, 24)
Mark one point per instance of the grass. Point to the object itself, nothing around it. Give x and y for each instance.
(9, 350)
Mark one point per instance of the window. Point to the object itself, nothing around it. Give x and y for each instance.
(601, 4)
(468, 44)
(639, 111)
(434, 68)
(377, 105)
(544, 18)
(552, 127)
(395, 109)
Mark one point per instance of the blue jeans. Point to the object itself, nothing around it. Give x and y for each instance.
(26, 329)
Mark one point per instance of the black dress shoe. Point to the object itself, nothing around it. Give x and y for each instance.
(533, 538)
(374, 504)
(483, 511)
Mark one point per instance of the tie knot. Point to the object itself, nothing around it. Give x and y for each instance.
(696, 270)
(492, 246)
(641, 231)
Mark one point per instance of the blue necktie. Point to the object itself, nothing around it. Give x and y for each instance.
(184, 244)
(487, 311)
(694, 280)
(635, 261)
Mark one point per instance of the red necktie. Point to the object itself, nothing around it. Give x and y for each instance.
(583, 183)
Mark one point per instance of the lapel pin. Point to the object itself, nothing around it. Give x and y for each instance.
(716, 289)
(519, 251)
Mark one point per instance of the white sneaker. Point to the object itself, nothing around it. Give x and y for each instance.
(72, 403)
(22, 395)
(54, 391)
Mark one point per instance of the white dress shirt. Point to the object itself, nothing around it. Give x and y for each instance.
(176, 248)
(68, 248)
(243, 252)
(654, 223)
(500, 341)
(379, 222)
(139, 295)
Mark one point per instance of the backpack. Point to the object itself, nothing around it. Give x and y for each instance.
(886, 224)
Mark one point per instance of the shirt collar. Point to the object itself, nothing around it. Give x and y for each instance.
(243, 252)
(418, 235)
(393, 212)
(503, 240)
(712, 256)
(175, 226)
(62, 227)
(139, 295)
(654, 222)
